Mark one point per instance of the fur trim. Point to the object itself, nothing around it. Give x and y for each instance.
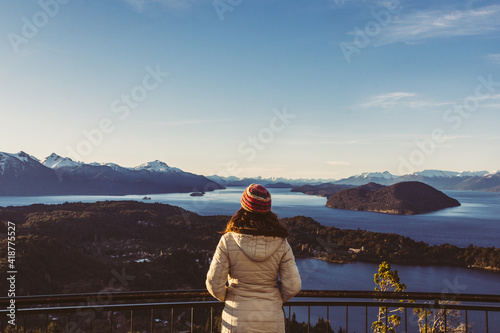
(257, 232)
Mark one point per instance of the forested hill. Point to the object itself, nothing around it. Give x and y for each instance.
(82, 247)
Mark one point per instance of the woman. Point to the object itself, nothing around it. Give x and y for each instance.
(253, 269)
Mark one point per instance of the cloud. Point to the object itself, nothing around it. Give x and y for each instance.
(338, 163)
(140, 5)
(407, 99)
(422, 25)
(494, 58)
(388, 100)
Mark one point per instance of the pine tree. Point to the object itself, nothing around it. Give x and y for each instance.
(387, 280)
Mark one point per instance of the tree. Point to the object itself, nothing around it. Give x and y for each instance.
(387, 280)
(435, 321)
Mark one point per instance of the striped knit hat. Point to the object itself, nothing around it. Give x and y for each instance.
(256, 199)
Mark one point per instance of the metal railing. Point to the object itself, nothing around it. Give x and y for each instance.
(174, 311)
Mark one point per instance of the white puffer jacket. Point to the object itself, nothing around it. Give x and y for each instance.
(252, 266)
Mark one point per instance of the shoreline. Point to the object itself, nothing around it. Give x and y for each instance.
(347, 262)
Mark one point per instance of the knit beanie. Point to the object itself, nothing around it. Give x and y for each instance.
(256, 199)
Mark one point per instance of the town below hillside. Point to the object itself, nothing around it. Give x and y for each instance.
(79, 247)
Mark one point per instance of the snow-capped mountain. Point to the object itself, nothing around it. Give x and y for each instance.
(434, 173)
(444, 180)
(236, 181)
(157, 166)
(55, 161)
(22, 174)
(383, 178)
(473, 173)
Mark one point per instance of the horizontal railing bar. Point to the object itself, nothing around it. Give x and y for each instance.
(199, 293)
(118, 307)
(399, 295)
(115, 296)
(207, 304)
(395, 305)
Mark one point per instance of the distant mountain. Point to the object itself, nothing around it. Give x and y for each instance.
(384, 178)
(22, 174)
(278, 185)
(236, 181)
(322, 190)
(443, 180)
(405, 198)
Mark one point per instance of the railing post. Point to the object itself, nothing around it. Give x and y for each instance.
(211, 319)
(327, 319)
(366, 319)
(425, 313)
(406, 325)
(445, 321)
(347, 319)
(24, 321)
(152, 320)
(386, 319)
(111, 322)
(172, 321)
(192, 320)
(308, 318)
(47, 323)
(487, 326)
(466, 322)
(67, 323)
(131, 321)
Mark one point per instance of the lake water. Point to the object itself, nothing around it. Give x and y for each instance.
(476, 221)
(317, 274)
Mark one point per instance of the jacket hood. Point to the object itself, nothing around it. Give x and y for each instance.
(257, 248)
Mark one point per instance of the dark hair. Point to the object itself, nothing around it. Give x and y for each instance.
(265, 224)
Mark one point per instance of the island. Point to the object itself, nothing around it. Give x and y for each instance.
(404, 198)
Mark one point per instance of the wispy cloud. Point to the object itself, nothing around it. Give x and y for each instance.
(140, 5)
(388, 100)
(406, 99)
(338, 163)
(421, 25)
(494, 58)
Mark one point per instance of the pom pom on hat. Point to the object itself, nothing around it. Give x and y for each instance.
(256, 199)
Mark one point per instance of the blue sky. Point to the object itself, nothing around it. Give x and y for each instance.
(272, 88)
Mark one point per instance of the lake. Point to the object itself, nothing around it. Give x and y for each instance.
(317, 274)
(476, 221)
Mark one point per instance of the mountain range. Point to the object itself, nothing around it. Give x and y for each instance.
(22, 174)
(443, 180)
